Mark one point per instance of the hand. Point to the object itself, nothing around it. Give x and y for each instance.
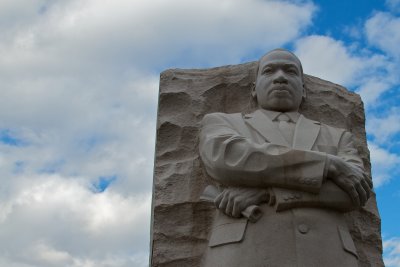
(232, 201)
(351, 179)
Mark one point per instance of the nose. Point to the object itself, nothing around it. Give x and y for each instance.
(280, 78)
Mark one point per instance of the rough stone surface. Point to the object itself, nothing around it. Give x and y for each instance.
(180, 222)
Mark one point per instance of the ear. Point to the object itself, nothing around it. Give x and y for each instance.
(304, 92)
(253, 90)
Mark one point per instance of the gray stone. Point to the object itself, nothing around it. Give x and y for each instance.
(180, 221)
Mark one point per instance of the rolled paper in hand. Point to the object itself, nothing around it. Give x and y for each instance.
(210, 193)
(253, 213)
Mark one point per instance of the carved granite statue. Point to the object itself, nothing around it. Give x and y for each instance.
(301, 174)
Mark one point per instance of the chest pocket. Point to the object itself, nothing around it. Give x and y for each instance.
(227, 231)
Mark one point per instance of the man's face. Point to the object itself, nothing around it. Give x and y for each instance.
(279, 84)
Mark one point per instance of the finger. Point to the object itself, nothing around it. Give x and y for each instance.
(224, 201)
(354, 196)
(361, 194)
(218, 199)
(229, 206)
(368, 179)
(366, 187)
(237, 208)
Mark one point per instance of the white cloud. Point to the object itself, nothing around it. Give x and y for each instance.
(151, 33)
(369, 73)
(79, 86)
(392, 252)
(394, 5)
(384, 164)
(57, 221)
(383, 31)
(47, 254)
(385, 126)
(96, 132)
(372, 89)
(328, 59)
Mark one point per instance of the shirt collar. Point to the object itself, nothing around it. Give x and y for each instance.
(273, 115)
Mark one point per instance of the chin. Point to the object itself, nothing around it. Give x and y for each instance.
(282, 105)
(283, 109)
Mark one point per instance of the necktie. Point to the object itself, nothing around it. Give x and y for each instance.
(286, 127)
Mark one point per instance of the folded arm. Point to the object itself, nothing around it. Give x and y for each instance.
(234, 160)
(347, 172)
(330, 196)
(346, 188)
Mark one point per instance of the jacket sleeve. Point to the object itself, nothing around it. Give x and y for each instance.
(234, 160)
(348, 152)
(330, 195)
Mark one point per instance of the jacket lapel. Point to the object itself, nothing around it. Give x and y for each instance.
(306, 133)
(265, 127)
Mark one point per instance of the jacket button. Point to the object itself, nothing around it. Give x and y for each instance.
(303, 228)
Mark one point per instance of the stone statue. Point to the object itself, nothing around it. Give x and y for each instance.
(301, 175)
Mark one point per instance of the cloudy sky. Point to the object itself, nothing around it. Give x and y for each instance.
(78, 101)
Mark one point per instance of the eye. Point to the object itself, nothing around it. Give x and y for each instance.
(292, 71)
(267, 70)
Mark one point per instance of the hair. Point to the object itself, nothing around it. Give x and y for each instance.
(280, 50)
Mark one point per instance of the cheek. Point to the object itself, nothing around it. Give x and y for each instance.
(296, 81)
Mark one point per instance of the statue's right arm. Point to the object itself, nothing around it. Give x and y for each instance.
(235, 160)
(330, 196)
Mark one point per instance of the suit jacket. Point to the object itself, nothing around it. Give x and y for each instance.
(306, 226)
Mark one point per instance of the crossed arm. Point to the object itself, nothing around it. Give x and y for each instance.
(248, 168)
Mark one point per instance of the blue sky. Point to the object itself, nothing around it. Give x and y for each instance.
(79, 84)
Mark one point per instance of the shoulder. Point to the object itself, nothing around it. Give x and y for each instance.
(334, 130)
(326, 127)
(334, 133)
(219, 118)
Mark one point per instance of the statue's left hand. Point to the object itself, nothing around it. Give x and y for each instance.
(353, 180)
(233, 200)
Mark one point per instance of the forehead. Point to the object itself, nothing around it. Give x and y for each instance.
(279, 57)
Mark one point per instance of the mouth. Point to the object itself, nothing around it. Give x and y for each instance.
(281, 91)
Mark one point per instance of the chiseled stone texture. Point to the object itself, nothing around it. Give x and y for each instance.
(180, 222)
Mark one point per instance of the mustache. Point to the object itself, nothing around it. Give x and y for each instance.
(281, 87)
